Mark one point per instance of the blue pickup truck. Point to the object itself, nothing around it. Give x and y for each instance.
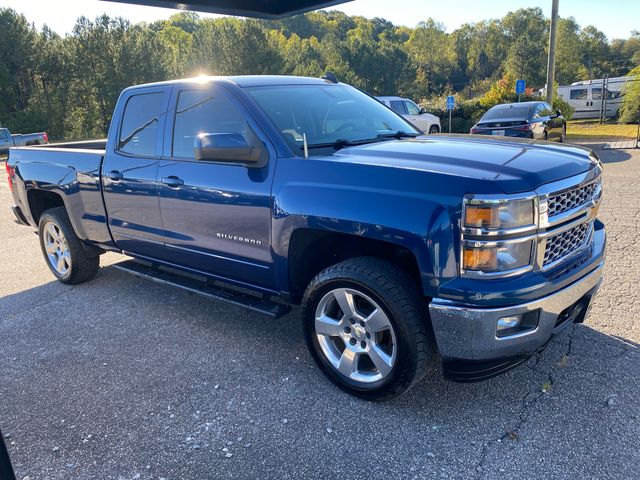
(269, 191)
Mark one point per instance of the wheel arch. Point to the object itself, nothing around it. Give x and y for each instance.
(311, 251)
(40, 200)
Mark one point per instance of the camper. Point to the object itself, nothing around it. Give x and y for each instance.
(586, 96)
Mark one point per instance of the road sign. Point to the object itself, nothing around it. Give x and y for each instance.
(520, 86)
(451, 102)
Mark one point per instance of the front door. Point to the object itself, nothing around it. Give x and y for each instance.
(415, 117)
(581, 103)
(130, 172)
(217, 216)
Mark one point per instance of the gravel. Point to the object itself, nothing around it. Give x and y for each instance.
(118, 372)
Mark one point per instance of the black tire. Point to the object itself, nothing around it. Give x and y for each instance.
(433, 129)
(405, 308)
(82, 266)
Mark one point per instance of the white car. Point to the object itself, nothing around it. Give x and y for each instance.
(418, 116)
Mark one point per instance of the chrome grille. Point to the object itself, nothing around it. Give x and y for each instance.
(569, 199)
(565, 243)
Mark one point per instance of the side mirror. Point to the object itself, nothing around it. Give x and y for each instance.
(423, 110)
(230, 148)
(558, 113)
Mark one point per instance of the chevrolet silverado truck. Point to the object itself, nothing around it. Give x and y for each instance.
(8, 140)
(271, 191)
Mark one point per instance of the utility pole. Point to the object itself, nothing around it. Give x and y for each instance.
(551, 65)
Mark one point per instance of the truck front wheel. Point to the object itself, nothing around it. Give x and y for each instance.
(365, 325)
(62, 249)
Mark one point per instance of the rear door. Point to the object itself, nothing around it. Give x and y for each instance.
(217, 216)
(130, 171)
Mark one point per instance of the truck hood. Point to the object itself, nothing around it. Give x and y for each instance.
(514, 165)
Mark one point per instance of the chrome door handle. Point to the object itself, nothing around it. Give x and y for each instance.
(115, 175)
(172, 181)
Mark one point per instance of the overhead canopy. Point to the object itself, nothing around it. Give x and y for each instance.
(270, 9)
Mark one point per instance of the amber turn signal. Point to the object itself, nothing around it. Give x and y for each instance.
(480, 258)
(481, 216)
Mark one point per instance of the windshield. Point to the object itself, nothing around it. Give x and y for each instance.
(327, 114)
(507, 111)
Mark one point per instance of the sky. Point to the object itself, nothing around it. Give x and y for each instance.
(615, 18)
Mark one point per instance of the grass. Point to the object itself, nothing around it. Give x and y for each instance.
(582, 130)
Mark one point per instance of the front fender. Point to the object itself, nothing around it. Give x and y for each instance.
(419, 222)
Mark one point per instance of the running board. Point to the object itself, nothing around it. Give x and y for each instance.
(200, 286)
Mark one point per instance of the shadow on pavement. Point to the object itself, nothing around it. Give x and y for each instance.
(608, 156)
(137, 368)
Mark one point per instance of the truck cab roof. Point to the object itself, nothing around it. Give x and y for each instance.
(242, 81)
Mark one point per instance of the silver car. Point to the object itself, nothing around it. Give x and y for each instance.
(418, 116)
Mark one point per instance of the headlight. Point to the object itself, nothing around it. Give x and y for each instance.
(499, 215)
(498, 235)
(496, 256)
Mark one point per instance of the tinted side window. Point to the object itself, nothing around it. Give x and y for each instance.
(596, 93)
(412, 108)
(203, 111)
(141, 124)
(398, 107)
(4, 134)
(578, 94)
(544, 110)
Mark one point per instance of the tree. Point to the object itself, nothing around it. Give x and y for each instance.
(433, 54)
(526, 31)
(630, 110)
(569, 66)
(69, 85)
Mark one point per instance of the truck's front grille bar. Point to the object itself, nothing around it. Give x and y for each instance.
(569, 199)
(566, 243)
(568, 218)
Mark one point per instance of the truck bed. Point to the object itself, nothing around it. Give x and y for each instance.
(99, 145)
(71, 171)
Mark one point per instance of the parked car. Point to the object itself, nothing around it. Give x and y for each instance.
(7, 140)
(266, 191)
(418, 116)
(527, 119)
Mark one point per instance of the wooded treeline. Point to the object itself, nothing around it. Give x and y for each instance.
(69, 85)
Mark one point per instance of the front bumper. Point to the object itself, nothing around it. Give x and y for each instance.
(467, 340)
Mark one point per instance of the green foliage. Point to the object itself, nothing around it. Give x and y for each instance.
(69, 85)
(566, 109)
(630, 110)
(501, 91)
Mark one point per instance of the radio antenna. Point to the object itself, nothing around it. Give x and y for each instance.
(304, 144)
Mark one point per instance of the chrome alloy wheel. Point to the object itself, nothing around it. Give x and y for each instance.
(57, 248)
(355, 335)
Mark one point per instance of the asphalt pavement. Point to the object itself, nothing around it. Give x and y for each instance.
(120, 378)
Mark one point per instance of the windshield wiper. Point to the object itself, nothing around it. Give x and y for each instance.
(399, 134)
(341, 143)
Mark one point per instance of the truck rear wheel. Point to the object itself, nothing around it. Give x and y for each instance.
(365, 325)
(62, 249)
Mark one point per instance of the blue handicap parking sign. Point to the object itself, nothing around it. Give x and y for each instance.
(520, 85)
(451, 102)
